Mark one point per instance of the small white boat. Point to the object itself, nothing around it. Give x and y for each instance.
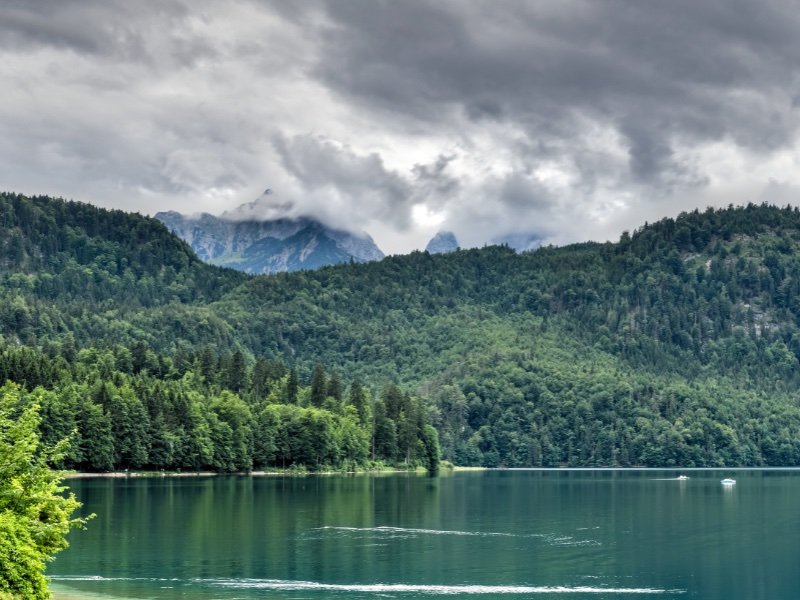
(728, 482)
(682, 477)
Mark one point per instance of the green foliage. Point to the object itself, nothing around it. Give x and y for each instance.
(64, 264)
(118, 419)
(35, 512)
(318, 386)
(21, 564)
(679, 345)
(430, 448)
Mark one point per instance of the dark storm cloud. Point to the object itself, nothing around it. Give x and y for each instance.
(129, 104)
(368, 186)
(658, 72)
(106, 29)
(565, 118)
(433, 180)
(518, 193)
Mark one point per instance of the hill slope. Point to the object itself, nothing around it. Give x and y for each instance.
(678, 345)
(64, 264)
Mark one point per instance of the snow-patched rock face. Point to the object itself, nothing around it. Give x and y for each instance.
(442, 242)
(269, 246)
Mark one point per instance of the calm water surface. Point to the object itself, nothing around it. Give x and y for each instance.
(494, 534)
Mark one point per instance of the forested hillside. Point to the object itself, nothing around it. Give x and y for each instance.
(76, 280)
(67, 267)
(678, 345)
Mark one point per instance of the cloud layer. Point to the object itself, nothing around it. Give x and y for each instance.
(564, 119)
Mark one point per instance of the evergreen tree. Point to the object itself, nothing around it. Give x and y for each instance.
(334, 389)
(318, 388)
(430, 441)
(291, 387)
(384, 436)
(359, 400)
(260, 379)
(130, 428)
(236, 372)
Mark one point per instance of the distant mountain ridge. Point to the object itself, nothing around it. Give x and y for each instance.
(269, 246)
(442, 243)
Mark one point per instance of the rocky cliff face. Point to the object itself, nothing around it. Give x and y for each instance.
(269, 246)
(442, 242)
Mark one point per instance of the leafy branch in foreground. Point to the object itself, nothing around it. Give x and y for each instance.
(35, 512)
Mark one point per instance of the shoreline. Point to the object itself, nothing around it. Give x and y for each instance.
(392, 471)
(130, 474)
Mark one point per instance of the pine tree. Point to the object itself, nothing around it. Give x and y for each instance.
(236, 372)
(291, 387)
(318, 387)
(359, 400)
(334, 389)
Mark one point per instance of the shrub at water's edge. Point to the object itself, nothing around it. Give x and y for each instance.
(35, 514)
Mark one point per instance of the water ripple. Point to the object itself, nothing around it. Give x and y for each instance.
(407, 532)
(379, 588)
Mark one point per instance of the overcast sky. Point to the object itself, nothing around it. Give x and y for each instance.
(569, 120)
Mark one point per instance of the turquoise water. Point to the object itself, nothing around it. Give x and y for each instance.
(494, 534)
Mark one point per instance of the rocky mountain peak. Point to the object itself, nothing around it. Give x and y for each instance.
(442, 243)
(239, 240)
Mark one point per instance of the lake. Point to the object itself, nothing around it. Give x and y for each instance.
(478, 534)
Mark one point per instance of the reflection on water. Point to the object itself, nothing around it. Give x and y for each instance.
(478, 534)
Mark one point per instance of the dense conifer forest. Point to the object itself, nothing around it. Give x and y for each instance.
(677, 345)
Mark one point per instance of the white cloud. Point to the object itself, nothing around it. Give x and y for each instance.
(401, 118)
(425, 217)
